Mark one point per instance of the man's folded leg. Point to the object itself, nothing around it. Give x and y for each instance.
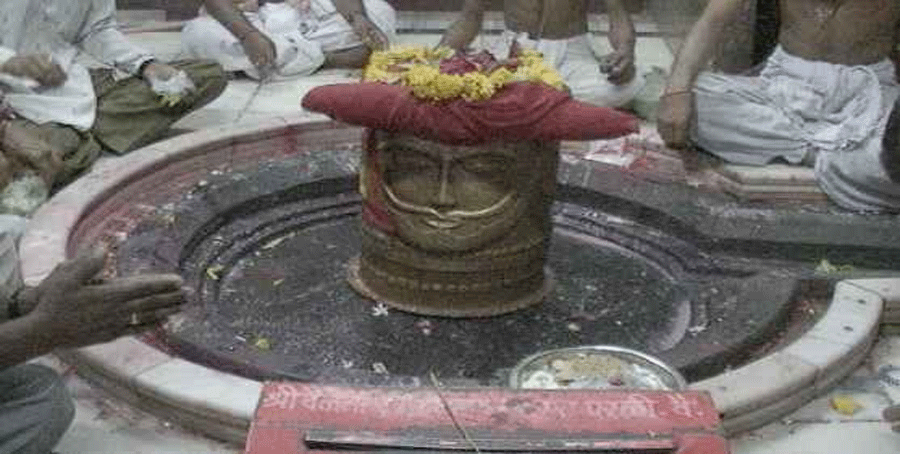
(56, 152)
(737, 122)
(130, 115)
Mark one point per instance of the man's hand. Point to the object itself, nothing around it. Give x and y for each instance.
(261, 52)
(39, 67)
(75, 311)
(158, 71)
(619, 67)
(24, 149)
(369, 33)
(674, 117)
(170, 83)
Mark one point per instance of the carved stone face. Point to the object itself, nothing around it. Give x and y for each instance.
(454, 230)
(456, 198)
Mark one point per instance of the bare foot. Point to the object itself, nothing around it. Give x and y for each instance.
(25, 150)
(892, 415)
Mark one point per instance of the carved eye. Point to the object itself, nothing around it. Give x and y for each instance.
(410, 160)
(485, 164)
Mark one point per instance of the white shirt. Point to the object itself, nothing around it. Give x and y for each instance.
(62, 28)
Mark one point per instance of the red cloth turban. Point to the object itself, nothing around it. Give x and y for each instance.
(520, 111)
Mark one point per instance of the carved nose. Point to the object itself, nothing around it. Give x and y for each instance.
(445, 197)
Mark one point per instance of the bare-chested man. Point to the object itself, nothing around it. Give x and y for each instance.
(824, 98)
(291, 37)
(559, 29)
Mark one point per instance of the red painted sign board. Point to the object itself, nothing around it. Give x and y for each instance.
(306, 418)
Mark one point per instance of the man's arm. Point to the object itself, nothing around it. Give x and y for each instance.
(259, 48)
(355, 13)
(700, 42)
(621, 29)
(21, 340)
(232, 18)
(466, 27)
(620, 65)
(677, 102)
(100, 36)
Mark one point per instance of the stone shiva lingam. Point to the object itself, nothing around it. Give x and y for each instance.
(458, 174)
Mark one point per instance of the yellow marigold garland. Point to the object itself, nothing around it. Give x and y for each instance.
(417, 67)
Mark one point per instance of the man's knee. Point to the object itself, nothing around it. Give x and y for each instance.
(35, 409)
(202, 32)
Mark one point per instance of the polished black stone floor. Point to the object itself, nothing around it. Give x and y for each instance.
(266, 252)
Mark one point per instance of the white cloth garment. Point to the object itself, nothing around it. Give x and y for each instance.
(302, 35)
(578, 64)
(798, 109)
(62, 28)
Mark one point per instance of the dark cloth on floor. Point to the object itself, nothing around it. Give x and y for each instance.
(35, 410)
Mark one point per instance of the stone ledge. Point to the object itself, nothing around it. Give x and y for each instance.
(774, 182)
(224, 398)
(853, 315)
(221, 405)
(750, 396)
(889, 289)
(755, 419)
(760, 384)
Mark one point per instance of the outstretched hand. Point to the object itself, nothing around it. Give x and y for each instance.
(39, 67)
(75, 310)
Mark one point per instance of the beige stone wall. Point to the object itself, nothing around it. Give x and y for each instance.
(180, 9)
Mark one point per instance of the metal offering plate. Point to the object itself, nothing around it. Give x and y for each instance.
(595, 367)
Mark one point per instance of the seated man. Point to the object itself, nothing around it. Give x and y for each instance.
(293, 38)
(68, 309)
(824, 98)
(60, 113)
(559, 30)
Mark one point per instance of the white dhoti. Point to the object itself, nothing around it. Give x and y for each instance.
(578, 64)
(797, 110)
(302, 37)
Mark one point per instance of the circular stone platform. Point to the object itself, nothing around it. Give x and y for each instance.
(240, 211)
(269, 258)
